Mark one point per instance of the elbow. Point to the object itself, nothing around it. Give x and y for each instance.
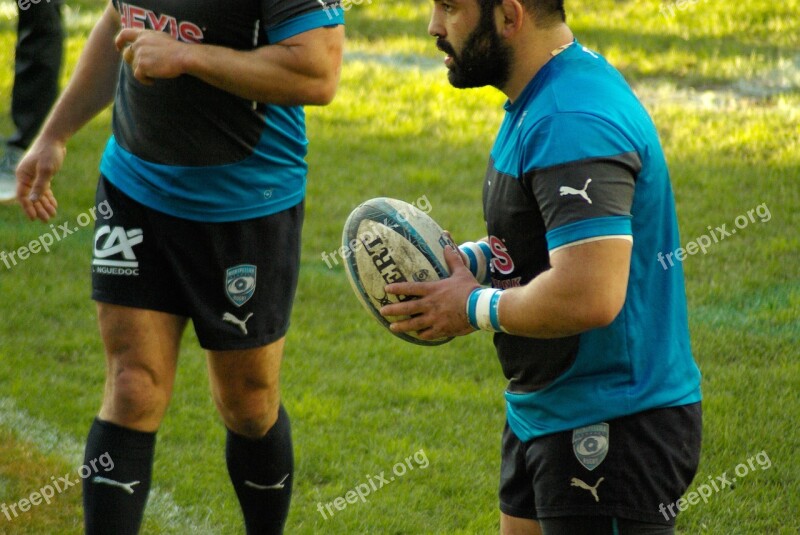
(324, 81)
(322, 91)
(603, 313)
(604, 317)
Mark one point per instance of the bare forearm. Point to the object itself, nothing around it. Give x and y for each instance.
(92, 86)
(585, 289)
(285, 74)
(547, 308)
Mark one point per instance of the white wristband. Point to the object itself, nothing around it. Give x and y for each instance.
(480, 259)
(482, 309)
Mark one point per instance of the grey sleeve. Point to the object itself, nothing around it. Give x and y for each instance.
(584, 189)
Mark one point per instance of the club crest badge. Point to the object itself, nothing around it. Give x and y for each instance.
(240, 283)
(590, 445)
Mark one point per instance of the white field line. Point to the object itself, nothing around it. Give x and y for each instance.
(161, 505)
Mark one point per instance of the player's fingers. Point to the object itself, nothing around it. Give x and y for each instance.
(408, 288)
(41, 184)
(43, 208)
(46, 207)
(448, 237)
(125, 38)
(417, 323)
(41, 201)
(454, 258)
(140, 74)
(406, 308)
(42, 212)
(28, 207)
(127, 55)
(24, 181)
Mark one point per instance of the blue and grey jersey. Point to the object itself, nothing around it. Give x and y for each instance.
(578, 159)
(188, 149)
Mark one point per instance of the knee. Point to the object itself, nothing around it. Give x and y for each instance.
(250, 412)
(134, 395)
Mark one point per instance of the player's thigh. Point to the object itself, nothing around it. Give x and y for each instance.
(141, 349)
(245, 384)
(141, 338)
(510, 525)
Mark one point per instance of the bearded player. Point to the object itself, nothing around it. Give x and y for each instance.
(205, 176)
(603, 401)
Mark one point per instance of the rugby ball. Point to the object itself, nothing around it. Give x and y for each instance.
(385, 241)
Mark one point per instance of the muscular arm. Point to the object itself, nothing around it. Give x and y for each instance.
(300, 70)
(584, 289)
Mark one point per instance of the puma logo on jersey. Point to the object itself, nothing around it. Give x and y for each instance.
(277, 486)
(566, 190)
(578, 483)
(242, 324)
(127, 487)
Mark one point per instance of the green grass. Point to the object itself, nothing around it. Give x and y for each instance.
(362, 400)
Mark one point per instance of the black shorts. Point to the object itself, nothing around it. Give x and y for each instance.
(628, 468)
(236, 280)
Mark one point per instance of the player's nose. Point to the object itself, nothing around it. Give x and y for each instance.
(435, 26)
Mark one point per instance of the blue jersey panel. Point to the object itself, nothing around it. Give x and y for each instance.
(316, 19)
(589, 228)
(272, 179)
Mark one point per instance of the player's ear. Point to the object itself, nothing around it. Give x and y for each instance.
(510, 14)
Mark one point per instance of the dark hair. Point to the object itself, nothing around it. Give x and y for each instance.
(545, 12)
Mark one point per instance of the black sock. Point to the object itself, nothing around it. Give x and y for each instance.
(262, 472)
(115, 493)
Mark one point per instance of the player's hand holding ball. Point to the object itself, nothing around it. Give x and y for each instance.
(440, 308)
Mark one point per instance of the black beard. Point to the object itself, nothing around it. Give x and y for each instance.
(484, 60)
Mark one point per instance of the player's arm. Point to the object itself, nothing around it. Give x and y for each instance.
(90, 90)
(584, 289)
(589, 238)
(299, 70)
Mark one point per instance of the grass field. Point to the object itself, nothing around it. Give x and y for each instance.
(722, 81)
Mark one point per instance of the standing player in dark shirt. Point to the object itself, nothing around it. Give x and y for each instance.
(205, 176)
(603, 399)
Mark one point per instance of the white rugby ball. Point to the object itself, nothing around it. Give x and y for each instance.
(385, 241)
